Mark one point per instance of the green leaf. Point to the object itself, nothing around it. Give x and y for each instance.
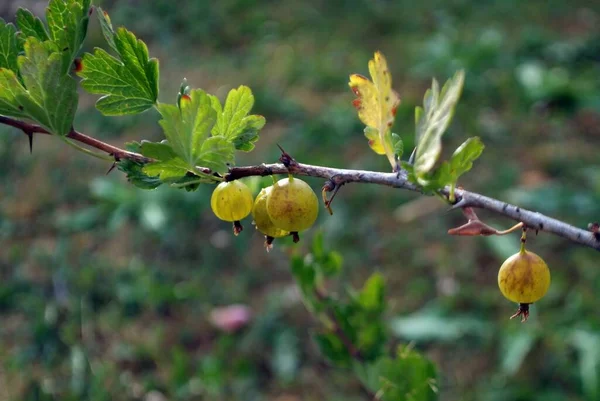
(433, 120)
(464, 156)
(346, 317)
(372, 295)
(30, 25)
(217, 154)
(233, 121)
(333, 349)
(331, 264)
(9, 46)
(187, 129)
(166, 170)
(136, 176)
(407, 377)
(10, 90)
(304, 274)
(157, 150)
(318, 245)
(167, 166)
(107, 29)
(238, 104)
(51, 95)
(246, 138)
(449, 172)
(129, 83)
(68, 22)
(396, 145)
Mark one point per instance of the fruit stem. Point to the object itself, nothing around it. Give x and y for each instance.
(291, 177)
(295, 236)
(523, 239)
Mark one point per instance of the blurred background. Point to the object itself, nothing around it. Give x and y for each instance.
(106, 290)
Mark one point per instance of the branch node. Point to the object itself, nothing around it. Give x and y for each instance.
(595, 229)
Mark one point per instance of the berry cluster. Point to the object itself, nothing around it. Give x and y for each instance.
(285, 208)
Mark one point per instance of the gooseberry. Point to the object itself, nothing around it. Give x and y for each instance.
(292, 205)
(232, 201)
(524, 278)
(263, 222)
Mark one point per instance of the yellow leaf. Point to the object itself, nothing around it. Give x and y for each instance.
(374, 141)
(376, 103)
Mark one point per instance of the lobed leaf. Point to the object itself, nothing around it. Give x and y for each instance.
(67, 23)
(10, 90)
(30, 25)
(167, 166)
(136, 176)
(217, 154)
(376, 103)
(49, 96)
(372, 135)
(188, 126)
(233, 121)
(167, 170)
(129, 83)
(107, 29)
(9, 46)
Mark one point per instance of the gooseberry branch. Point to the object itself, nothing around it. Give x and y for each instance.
(339, 177)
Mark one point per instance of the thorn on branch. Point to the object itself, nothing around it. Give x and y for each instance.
(30, 136)
(287, 160)
(112, 167)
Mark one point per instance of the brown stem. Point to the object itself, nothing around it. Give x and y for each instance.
(533, 220)
(338, 331)
(114, 151)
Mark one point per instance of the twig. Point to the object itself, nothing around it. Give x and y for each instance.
(113, 151)
(534, 220)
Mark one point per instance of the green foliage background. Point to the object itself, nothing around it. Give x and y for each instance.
(94, 270)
